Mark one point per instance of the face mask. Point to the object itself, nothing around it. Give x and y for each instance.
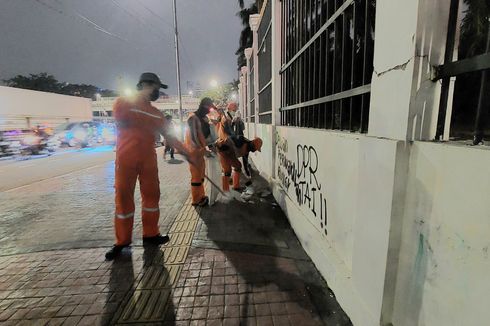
(155, 95)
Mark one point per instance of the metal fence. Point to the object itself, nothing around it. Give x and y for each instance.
(471, 69)
(327, 63)
(251, 112)
(264, 55)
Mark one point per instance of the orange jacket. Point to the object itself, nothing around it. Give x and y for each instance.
(194, 138)
(138, 123)
(224, 124)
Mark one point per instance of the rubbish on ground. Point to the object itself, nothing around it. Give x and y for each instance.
(265, 193)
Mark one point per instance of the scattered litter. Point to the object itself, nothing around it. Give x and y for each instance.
(248, 193)
(246, 196)
(265, 193)
(249, 190)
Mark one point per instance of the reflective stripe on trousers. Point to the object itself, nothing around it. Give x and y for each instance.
(125, 216)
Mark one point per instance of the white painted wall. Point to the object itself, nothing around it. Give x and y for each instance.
(42, 108)
(406, 237)
(444, 273)
(263, 159)
(348, 237)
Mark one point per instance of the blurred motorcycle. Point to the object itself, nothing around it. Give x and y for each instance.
(32, 144)
(6, 149)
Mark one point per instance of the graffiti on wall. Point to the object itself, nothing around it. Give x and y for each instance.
(299, 176)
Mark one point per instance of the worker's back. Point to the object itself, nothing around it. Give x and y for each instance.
(138, 122)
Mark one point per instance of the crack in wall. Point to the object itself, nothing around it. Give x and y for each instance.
(402, 66)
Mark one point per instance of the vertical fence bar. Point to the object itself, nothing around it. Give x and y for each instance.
(342, 74)
(482, 109)
(353, 62)
(448, 57)
(364, 100)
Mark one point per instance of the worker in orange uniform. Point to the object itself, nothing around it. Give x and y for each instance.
(229, 152)
(225, 134)
(138, 122)
(195, 142)
(231, 147)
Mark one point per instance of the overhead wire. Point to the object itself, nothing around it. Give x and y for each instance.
(140, 21)
(163, 20)
(84, 20)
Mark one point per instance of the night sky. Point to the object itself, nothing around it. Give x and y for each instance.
(95, 41)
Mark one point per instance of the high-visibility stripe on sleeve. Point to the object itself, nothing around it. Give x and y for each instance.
(146, 113)
(125, 216)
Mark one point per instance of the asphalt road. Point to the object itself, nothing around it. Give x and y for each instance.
(15, 173)
(73, 205)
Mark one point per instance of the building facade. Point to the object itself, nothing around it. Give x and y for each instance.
(353, 102)
(25, 109)
(102, 108)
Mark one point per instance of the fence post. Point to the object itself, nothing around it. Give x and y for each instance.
(254, 25)
(248, 55)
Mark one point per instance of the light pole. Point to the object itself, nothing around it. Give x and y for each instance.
(177, 59)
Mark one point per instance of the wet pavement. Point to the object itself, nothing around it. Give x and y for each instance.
(235, 263)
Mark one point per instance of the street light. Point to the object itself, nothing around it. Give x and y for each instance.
(128, 92)
(214, 83)
(191, 93)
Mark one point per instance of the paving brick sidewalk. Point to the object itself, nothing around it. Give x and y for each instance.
(230, 264)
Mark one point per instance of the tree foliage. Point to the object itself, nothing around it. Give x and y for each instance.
(48, 83)
(222, 94)
(474, 31)
(474, 28)
(246, 36)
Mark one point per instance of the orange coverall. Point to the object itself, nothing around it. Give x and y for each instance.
(138, 122)
(227, 159)
(195, 144)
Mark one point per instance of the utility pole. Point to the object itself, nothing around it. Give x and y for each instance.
(177, 59)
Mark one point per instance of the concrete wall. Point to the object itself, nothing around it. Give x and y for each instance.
(20, 107)
(444, 272)
(338, 190)
(399, 229)
(264, 162)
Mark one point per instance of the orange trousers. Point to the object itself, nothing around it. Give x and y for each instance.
(127, 173)
(227, 163)
(198, 170)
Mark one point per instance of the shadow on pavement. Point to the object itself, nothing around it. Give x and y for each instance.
(259, 243)
(175, 161)
(153, 256)
(126, 279)
(121, 281)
